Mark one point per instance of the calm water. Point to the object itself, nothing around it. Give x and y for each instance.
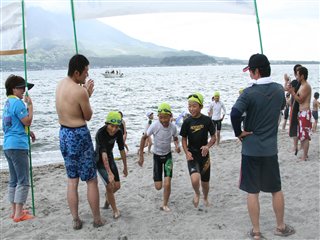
(140, 91)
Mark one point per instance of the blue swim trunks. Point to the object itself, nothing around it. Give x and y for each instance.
(78, 153)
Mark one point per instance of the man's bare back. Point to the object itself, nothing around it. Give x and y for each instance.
(72, 103)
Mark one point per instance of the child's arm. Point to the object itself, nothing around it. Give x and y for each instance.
(205, 148)
(142, 143)
(105, 161)
(124, 160)
(185, 149)
(176, 143)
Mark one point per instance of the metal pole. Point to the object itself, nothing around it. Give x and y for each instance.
(28, 128)
(74, 27)
(258, 23)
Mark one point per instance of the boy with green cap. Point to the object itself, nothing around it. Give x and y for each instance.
(163, 130)
(194, 132)
(107, 168)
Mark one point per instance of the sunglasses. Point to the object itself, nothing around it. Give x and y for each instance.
(164, 110)
(195, 96)
(115, 121)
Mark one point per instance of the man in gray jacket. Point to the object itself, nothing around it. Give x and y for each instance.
(262, 101)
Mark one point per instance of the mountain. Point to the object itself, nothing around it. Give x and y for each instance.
(50, 44)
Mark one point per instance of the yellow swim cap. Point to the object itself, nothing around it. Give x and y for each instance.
(216, 94)
(196, 97)
(114, 118)
(164, 108)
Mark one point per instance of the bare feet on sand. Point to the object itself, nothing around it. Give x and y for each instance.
(165, 209)
(196, 199)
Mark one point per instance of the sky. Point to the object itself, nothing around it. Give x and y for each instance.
(290, 30)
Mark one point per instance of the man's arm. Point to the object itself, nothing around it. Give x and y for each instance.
(85, 103)
(302, 95)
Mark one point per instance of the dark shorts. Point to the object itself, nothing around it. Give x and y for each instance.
(78, 153)
(162, 164)
(315, 115)
(200, 165)
(103, 172)
(260, 174)
(286, 113)
(217, 124)
(293, 127)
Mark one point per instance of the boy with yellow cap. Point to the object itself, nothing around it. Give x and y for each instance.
(163, 131)
(107, 168)
(194, 132)
(215, 109)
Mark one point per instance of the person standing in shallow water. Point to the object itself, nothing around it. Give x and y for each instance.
(263, 102)
(303, 97)
(74, 110)
(15, 118)
(217, 111)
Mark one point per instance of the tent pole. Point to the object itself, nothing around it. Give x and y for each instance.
(74, 27)
(28, 128)
(258, 23)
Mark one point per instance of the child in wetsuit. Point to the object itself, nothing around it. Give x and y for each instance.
(107, 168)
(194, 132)
(163, 131)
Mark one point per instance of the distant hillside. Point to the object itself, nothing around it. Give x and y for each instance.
(50, 44)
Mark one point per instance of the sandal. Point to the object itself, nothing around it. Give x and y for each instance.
(255, 235)
(24, 217)
(77, 224)
(24, 211)
(287, 231)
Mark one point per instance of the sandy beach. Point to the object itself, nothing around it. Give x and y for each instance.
(139, 202)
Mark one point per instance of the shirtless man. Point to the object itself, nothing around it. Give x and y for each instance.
(73, 108)
(303, 97)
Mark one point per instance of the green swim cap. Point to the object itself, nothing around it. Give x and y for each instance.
(164, 108)
(216, 94)
(196, 97)
(114, 118)
(240, 90)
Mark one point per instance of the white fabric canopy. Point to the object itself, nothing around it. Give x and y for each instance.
(11, 28)
(108, 8)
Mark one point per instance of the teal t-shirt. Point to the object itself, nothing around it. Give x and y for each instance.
(15, 135)
(263, 104)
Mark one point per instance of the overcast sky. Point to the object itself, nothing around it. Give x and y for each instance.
(290, 30)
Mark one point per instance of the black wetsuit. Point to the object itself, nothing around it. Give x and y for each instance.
(196, 131)
(105, 143)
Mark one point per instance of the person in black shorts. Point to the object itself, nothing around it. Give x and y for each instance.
(123, 127)
(107, 168)
(293, 120)
(286, 111)
(263, 102)
(194, 132)
(163, 131)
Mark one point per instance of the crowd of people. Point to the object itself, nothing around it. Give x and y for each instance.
(254, 117)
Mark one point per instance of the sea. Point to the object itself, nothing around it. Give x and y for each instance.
(140, 91)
